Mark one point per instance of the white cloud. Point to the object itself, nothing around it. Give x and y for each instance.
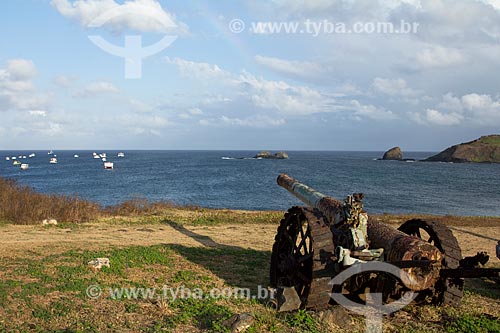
(198, 70)
(63, 81)
(300, 69)
(98, 88)
(370, 111)
(393, 87)
(21, 69)
(287, 99)
(258, 121)
(144, 121)
(277, 95)
(138, 15)
(438, 56)
(478, 109)
(38, 113)
(17, 91)
(479, 102)
(450, 102)
(435, 117)
(494, 3)
(144, 124)
(193, 112)
(281, 96)
(139, 106)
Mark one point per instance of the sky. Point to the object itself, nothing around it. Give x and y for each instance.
(248, 74)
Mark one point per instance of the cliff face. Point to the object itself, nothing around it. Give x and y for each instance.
(483, 150)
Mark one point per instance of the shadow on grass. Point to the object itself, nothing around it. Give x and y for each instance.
(484, 287)
(239, 267)
(475, 234)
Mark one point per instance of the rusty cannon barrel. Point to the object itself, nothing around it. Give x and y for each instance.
(399, 248)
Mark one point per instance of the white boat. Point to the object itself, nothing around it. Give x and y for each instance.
(24, 166)
(53, 160)
(16, 163)
(76, 156)
(7, 158)
(13, 158)
(24, 157)
(103, 159)
(96, 156)
(121, 155)
(108, 165)
(103, 155)
(31, 155)
(50, 152)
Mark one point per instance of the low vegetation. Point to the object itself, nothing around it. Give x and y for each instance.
(46, 288)
(22, 205)
(491, 139)
(50, 293)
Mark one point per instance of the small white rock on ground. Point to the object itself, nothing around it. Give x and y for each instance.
(98, 263)
(49, 222)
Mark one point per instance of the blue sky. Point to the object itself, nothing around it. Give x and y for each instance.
(214, 88)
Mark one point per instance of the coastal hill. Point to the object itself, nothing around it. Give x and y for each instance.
(486, 149)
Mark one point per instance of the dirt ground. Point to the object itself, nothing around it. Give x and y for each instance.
(43, 284)
(21, 241)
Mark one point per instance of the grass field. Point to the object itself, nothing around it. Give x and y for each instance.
(44, 276)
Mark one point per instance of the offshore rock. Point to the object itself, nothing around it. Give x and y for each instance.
(486, 149)
(393, 154)
(268, 155)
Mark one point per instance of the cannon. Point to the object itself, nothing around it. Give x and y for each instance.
(315, 243)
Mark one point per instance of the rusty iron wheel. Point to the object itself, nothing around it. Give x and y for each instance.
(302, 256)
(447, 291)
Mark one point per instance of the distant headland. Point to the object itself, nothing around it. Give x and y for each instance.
(486, 149)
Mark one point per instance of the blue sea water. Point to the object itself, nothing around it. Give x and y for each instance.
(204, 178)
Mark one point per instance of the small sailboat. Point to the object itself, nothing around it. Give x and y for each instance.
(95, 155)
(7, 158)
(50, 152)
(53, 160)
(25, 166)
(108, 165)
(31, 155)
(121, 154)
(16, 162)
(76, 156)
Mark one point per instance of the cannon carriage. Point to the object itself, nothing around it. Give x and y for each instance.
(315, 243)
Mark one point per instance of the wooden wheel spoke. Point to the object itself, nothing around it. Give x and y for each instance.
(301, 245)
(417, 233)
(288, 238)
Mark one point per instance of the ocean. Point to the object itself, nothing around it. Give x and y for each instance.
(210, 179)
